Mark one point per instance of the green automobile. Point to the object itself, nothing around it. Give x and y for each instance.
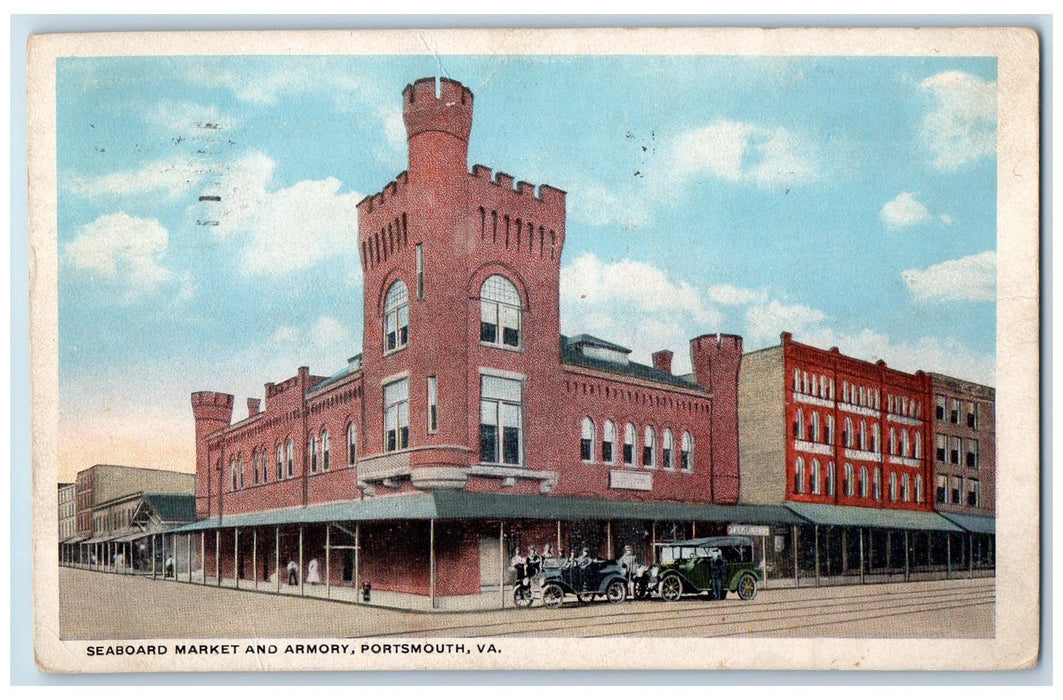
(690, 566)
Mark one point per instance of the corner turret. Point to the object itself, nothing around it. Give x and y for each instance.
(437, 128)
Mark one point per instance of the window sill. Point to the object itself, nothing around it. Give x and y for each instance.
(395, 351)
(498, 346)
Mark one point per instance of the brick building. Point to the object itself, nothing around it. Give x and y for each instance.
(68, 528)
(468, 425)
(843, 443)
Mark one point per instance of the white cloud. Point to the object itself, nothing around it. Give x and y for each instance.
(744, 152)
(765, 322)
(285, 229)
(972, 278)
(125, 250)
(595, 205)
(171, 178)
(730, 295)
(962, 127)
(587, 281)
(905, 210)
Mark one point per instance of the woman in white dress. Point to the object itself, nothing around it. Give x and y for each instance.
(312, 575)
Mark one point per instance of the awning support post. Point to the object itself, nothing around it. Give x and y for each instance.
(357, 553)
(797, 577)
(815, 531)
(277, 555)
(889, 546)
(609, 539)
(861, 532)
(328, 557)
(970, 555)
(203, 554)
(948, 555)
(907, 572)
(845, 551)
(236, 557)
(254, 556)
(301, 577)
(432, 562)
(558, 538)
(502, 565)
(153, 572)
(217, 555)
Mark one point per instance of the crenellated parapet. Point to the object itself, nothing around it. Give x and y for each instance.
(546, 194)
(212, 407)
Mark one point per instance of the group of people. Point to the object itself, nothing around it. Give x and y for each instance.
(313, 573)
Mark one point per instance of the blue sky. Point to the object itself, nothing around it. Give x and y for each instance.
(851, 201)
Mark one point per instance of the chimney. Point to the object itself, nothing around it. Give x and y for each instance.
(662, 360)
(252, 407)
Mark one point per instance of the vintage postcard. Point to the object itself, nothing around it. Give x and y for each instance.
(529, 349)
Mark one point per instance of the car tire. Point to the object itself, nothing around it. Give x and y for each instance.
(747, 586)
(616, 592)
(671, 588)
(586, 597)
(553, 596)
(522, 597)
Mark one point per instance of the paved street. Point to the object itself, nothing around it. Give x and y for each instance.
(105, 606)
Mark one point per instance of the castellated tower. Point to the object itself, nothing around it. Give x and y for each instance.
(212, 411)
(428, 243)
(717, 359)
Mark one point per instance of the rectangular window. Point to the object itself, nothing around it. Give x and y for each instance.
(972, 454)
(954, 450)
(420, 271)
(940, 404)
(280, 463)
(501, 406)
(397, 415)
(585, 449)
(954, 413)
(972, 415)
(488, 322)
(942, 489)
(974, 495)
(957, 484)
(290, 449)
(607, 452)
(941, 447)
(433, 405)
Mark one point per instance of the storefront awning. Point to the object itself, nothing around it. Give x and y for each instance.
(886, 518)
(462, 505)
(73, 540)
(978, 524)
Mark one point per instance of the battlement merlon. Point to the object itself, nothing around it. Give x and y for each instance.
(546, 194)
(212, 407)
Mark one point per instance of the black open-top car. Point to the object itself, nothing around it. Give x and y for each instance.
(586, 581)
(688, 567)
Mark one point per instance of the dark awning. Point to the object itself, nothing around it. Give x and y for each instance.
(978, 524)
(886, 518)
(460, 505)
(73, 540)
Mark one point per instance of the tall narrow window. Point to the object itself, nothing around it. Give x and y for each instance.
(232, 473)
(830, 478)
(396, 317)
(918, 489)
(799, 476)
(972, 454)
(240, 470)
(280, 462)
(254, 467)
(893, 487)
(940, 447)
(864, 485)
(876, 486)
(875, 447)
(974, 493)
(906, 488)
(940, 405)
(906, 447)
(397, 415)
(668, 450)
(325, 449)
(630, 435)
(352, 445)
(688, 452)
(863, 435)
(848, 433)
(586, 443)
(500, 312)
(608, 442)
(799, 425)
(917, 445)
(501, 408)
(264, 457)
(290, 450)
(942, 489)
(312, 453)
(957, 484)
(848, 485)
(420, 271)
(813, 433)
(433, 405)
(649, 449)
(817, 485)
(829, 437)
(954, 411)
(972, 415)
(954, 450)
(893, 441)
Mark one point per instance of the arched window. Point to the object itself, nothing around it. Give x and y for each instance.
(905, 446)
(875, 437)
(893, 441)
(649, 449)
(396, 317)
(830, 478)
(893, 486)
(813, 432)
(280, 462)
(797, 380)
(500, 310)
(254, 467)
(799, 476)
(848, 485)
(863, 435)
(864, 485)
(815, 385)
(608, 442)
(876, 486)
(804, 382)
(687, 453)
(586, 443)
(917, 452)
(906, 488)
(848, 434)
(918, 489)
(823, 386)
(325, 449)
(829, 437)
(352, 444)
(312, 452)
(816, 483)
(232, 473)
(799, 425)
(668, 451)
(289, 448)
(629, 445)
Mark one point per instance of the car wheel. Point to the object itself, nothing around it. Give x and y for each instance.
(671, 588)
(586, 597)
(616, 592)
(747, 587)
(553, 596)
(522, 597)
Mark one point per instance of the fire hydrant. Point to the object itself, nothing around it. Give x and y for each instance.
(366, 588)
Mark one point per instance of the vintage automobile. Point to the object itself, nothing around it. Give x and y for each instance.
(585, 581)
(687, 567)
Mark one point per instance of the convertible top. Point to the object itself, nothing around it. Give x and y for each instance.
(722, 541)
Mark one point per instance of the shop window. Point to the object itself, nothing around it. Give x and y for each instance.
(500, 313)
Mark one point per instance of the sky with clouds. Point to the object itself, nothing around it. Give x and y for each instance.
(851, 201)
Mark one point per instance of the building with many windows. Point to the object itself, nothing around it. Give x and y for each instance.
(68, 526)
(468, 425)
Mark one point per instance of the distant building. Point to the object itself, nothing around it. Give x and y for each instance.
(68, 527)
